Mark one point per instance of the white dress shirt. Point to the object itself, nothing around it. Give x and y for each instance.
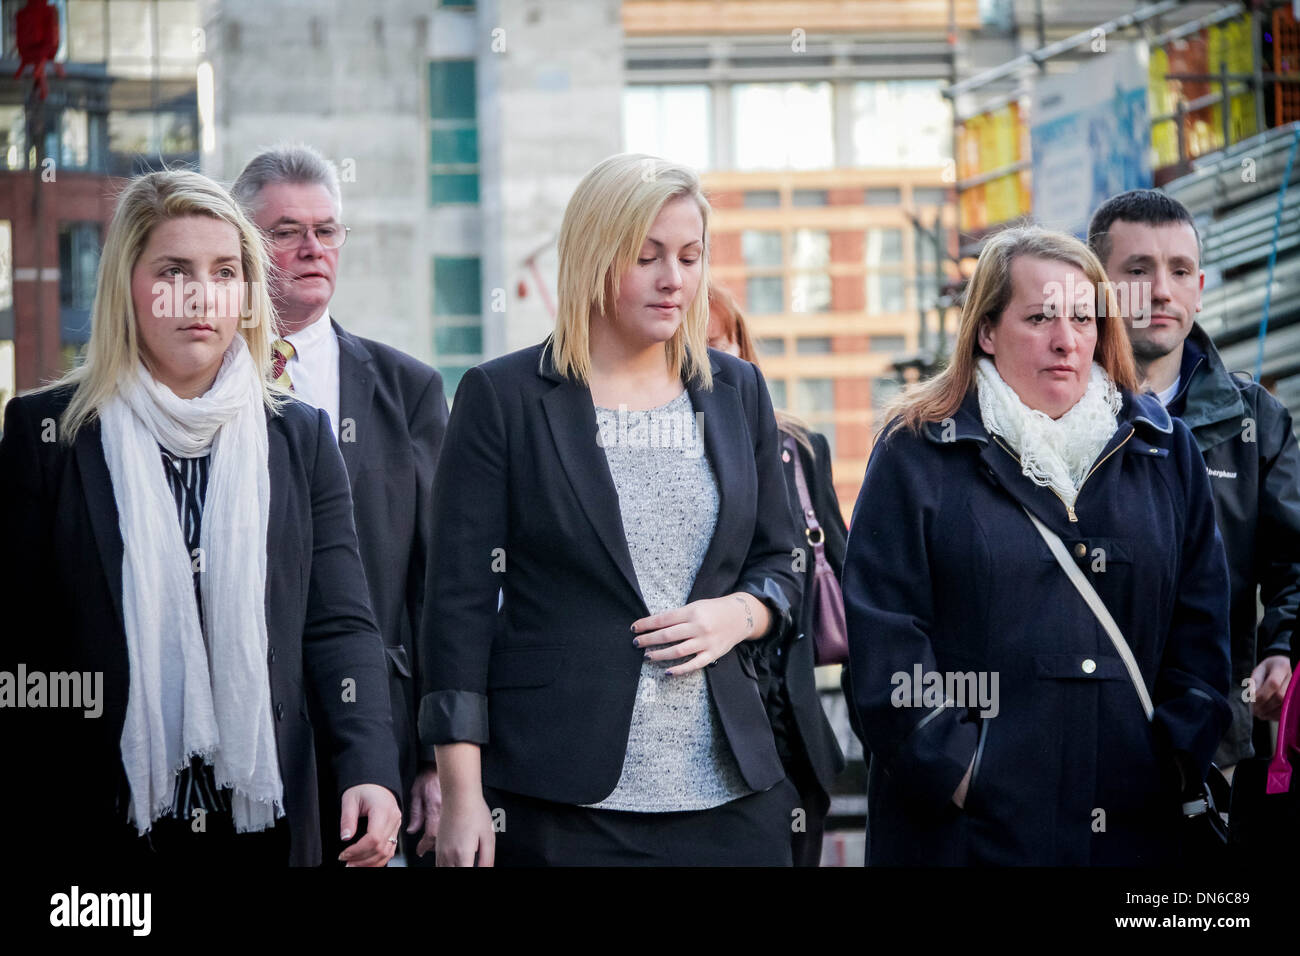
(314, 368)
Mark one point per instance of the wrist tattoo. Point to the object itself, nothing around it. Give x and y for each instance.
(749, 615)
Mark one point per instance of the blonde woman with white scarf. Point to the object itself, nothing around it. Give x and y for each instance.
(1007, 723)
(178, 534)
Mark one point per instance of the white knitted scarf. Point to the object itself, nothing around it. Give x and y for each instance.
(185, 699)
(1054, 453)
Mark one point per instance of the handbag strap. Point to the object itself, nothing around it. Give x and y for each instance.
(1090, 595)
(812, 525)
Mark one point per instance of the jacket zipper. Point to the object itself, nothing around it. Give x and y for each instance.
(1069, 509)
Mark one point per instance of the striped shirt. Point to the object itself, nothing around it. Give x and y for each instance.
(196, 787)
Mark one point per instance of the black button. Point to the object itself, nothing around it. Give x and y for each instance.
(279, 711)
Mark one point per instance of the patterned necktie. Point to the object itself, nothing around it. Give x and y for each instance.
(282, 351)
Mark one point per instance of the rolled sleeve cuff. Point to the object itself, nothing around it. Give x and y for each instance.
(771, 594)
(453, 716)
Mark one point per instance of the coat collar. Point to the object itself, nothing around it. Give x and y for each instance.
(571, 415)
(1214, 407)
(356, 393)
(1143, 412)
(1144, 427)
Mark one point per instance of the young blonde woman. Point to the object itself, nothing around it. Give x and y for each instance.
(617, 492)
(1005, 723)
(179, 535)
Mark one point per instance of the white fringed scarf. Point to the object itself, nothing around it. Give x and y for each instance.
(185, 699)
(1054, 453)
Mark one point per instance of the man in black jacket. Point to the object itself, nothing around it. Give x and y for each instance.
(1148, 241)
(389, 415)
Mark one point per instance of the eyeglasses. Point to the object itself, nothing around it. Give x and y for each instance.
(329, 235)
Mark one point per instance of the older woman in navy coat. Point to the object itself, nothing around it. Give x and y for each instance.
(1003, 719)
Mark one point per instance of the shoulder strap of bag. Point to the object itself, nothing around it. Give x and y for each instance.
(1089, 594)
(813, 529)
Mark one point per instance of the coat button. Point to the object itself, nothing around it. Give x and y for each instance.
(1080, 550)
(1089, 665)
(785, 456)
(279, 711)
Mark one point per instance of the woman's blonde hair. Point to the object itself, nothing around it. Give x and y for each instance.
(604, 227)
(114, 335)
(987, 297)
(723, 307)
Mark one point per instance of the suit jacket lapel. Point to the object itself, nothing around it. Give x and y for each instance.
(721, 421)
(572, 420)
(97, 486)
(356, 392)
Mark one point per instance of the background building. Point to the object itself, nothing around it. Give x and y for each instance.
(825, 141)
(128, 103)
(460, 130)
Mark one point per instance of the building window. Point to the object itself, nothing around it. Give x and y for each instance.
(885, 293)
(669, 121)
(130, 38)
(928, 196)
(814, 396)
(810, 292)
(770, 346)
(813, 346)
(765, 295)
(783, 125)
(457, 4)
(901, 123)
(776, 389)
(888, 343)
(884, 248)
(761, 249)
(457, 317)
(811, 249)
(13, 138)
(884, 197)
(883, 391)
(808, 197)
(762, 199)
(453, 132)
(78, 263)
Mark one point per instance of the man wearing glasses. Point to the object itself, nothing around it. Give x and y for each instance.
(389, 414)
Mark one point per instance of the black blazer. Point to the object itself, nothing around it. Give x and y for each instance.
(61, 590)
(524, 501)
(810, 728)
(392, 418)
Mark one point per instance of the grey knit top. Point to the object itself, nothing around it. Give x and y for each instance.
(677, 755)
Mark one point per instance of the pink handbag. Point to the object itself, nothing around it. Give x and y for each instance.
(1288, 742)
(830, 633)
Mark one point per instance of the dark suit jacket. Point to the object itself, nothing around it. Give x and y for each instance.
(524, 500)
(811, 730)
(61, 594)
(394, 410)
